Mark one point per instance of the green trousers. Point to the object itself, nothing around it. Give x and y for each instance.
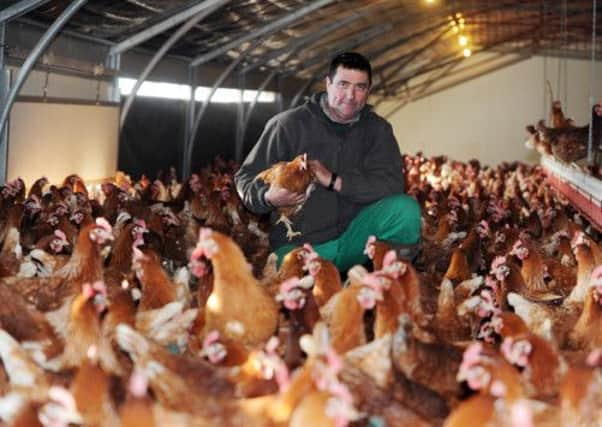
(394, 219)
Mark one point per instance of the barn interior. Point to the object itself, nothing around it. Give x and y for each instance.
(140, 290)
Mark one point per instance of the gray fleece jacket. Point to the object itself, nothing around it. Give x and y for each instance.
(364, 154)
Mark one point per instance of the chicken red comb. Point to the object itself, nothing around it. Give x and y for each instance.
(389, 258)
(369, 249)
(498, 261)
(210, 338)
(594, 358)
(516, 352)
(104, 224)
(138, 384)
(60, 235)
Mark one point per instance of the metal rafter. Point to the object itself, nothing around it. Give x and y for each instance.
(172, 21)
(161, 52)
(33, 56)
(188, 149)
(19, 9)
(273, 26)
(303, 41)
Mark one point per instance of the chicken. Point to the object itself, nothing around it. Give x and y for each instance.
(327, 279)
(91, 391)
(455, 316)
(587, 333)
(84, 330)
(543, 367)
(137, 410)
(11, 252)
(302, 312)
(76, 184)
(238, 307)
(328, 401)
(569, 144)
(344, 312)
(28, 383)
(432, 365)
(37, 188)
(84, 266)
(542, 276)
(558, 119)
(376, 250)
(580, 393)
(157, 288)
(28, 326)
(294, 176)
(178, 383)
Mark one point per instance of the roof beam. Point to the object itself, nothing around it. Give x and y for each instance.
(305, 40)
(49, 35)
(349, 44)
(273, 26)
(19, 9)
(172, 21)
(160, 54)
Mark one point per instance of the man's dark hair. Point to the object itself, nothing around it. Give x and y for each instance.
(352, 61)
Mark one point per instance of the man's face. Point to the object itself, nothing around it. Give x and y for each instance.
(347, 92)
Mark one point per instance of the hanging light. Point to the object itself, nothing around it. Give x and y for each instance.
(456, 29)
(463, 40)
(467, 52)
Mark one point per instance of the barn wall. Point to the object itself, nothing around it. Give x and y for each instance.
(485, 118)
(56, 140)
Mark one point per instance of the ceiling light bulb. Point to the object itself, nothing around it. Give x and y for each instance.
(467, 52)
(463, 40)
(461, 26)
(461, 20)
(456, 29)
(458, 15)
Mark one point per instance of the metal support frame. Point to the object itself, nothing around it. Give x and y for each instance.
(166, 24)
(161, 52)
(421, 90)
(4, 88)
(301, 91)
(192, 82)
(404, 60)
(488, 70)
(272, 27)
(349, 44)
(197, 120)
(33, 56)
(590, 157)
(247, 116)
(304, 41)
(20, 9)
(240, 119)
(114, 63)
(444, 61)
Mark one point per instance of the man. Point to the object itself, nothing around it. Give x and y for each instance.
(357, 164)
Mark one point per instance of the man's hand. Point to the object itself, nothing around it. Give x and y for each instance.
(322, 174)
(279, 197)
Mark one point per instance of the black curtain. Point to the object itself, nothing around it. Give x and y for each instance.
(152, 138)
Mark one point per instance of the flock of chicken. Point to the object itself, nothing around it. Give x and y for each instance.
(156, 303)
(567, 142)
